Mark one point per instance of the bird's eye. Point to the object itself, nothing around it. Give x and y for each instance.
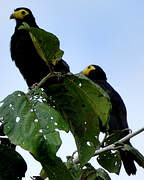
(88, 67)
(23, 12)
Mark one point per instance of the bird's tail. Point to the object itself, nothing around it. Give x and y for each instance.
(128, 159)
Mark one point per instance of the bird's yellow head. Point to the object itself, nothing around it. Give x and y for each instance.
(23, 15)
(88, 69)
(94, 72)
(20, 13)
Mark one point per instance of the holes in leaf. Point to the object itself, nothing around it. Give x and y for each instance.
(88, 143)
(17, 119)
(1, 119)
(1, 104)
(10, 105)
(36, 120)
(55, 123)
(80, 84)
(40, 130)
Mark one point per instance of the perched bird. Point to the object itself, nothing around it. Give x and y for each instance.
(23, 52)
(118, 116)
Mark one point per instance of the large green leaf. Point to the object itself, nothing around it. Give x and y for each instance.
(82, 103)
(31, 123)
(101, 174)
(111, 161)
(74, 168)
(54, 168)
(90, 173)
(46, 44)
(12, 165)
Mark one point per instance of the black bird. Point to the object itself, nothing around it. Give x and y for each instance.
(31, 65)
(118, 116)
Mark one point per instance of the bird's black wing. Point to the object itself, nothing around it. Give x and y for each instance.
(62, 67)
(118, 121)
(118, 116)
(30, 64)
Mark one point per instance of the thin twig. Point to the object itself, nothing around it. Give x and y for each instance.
(44, 80)
(113, 146)
(52, 74)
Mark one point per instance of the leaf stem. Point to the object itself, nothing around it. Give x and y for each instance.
(51, 74)
(44, 80)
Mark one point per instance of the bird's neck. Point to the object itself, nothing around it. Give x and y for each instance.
(30, 22)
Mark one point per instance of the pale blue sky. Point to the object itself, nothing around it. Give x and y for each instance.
(109, 33)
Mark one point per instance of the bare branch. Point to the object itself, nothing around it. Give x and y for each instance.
(112, 146)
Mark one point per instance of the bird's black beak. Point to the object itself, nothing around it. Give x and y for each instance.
(12, 16)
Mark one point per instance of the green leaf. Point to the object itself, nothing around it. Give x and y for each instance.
(73, 168)
(82, 103)
(46, 44)
(54, 168)
(102, 174)
(12, 165)
(90, 173)
(31, 123)
(111, 161)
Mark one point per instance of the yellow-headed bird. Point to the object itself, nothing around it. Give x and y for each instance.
(118, 116)
(23, 52)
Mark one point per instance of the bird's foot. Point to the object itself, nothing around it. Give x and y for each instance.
(127, 130)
